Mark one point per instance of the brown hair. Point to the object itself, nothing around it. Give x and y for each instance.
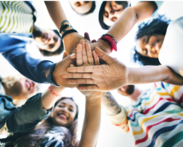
(36, 137)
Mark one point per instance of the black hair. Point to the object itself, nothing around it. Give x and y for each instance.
(155, 26)
(58, 51)
(90, 11)
(130, 89)
(101, 12)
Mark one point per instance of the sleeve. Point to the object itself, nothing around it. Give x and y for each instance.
(120, 120)
(175, 92)
(27, 116)
(14, 50)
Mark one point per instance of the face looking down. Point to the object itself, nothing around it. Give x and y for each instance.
(81, 7)
(64, 113)
(150, 46)
(48, 40)
(112, 12)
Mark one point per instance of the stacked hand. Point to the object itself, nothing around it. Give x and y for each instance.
(96, 77)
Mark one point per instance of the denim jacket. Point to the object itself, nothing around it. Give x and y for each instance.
(23, 118)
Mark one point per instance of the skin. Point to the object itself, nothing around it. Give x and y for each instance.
(64, 113)
(112, 12)
(23, 88)
(115, 74)
(150, 46)
(46, 39)
(81, 7)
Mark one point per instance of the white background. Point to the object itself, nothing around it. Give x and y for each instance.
(110, 136)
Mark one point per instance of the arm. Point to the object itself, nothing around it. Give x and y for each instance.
(59, 18)
(33, 111)
(92, 119)
(115, 112)
(130, 17)
(14, 50)
(115, 74)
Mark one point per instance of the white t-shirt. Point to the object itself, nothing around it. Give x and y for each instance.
(171, 53)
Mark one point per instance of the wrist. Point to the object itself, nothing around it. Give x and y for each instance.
(104, 45)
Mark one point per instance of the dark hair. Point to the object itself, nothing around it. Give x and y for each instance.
(130, 89)
(90, 11)
(101, 12)
(155, 26)
(58, 51)
(36, 137)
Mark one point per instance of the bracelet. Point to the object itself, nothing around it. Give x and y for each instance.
(51, 91)
(111, 40)
(63, 27)
(68, 32)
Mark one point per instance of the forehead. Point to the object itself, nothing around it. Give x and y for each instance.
(68, 102)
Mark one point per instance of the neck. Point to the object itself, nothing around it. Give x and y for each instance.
(36, 31)
(10, 92)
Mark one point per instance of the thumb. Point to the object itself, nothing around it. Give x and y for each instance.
(104, 56)
(64, 55)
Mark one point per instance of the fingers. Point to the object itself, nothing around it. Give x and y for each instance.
(64, 55)
(77, 75)
(89, 88)
(79, 57)
(89, 54)
(96, 58)
(85, 61)
(86, 35)
(80, 81)
(82, 69)
(104, 56)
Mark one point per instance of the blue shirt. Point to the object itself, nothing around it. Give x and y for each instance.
(14, 50)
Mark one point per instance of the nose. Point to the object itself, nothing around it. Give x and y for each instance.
(151, 47)
(51, 40)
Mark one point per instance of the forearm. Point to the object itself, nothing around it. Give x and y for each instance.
(110, 104)
(91, 125)
(129, 18)
(56, 12)
(149, 74)
(48, 99)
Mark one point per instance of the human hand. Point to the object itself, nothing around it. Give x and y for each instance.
(61, 68)
(99, 77)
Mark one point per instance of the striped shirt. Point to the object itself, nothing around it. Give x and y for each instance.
(16, 17)
(156, 120)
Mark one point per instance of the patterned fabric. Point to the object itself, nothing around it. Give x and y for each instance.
(15, 17)
(157, 118)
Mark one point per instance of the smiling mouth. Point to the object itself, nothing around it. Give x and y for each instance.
(62, 116)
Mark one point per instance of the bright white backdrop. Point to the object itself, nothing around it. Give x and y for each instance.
(110, 136)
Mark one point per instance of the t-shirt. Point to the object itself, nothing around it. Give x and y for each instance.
(158, 4)
(157, 117)
(171, 53)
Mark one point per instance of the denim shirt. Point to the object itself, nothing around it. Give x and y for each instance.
(24, 118)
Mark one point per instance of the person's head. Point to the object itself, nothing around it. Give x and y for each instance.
(19, 87)
(48, 41)
(110, 11)
(83, 7)
(150, 37)
(126, 90)
(65, 112)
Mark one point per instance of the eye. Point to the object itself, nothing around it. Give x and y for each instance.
(145, 51)
(60, 106)
(71, 110)
(87, 1)
(106, 14)
(77, 4)
(55, 39)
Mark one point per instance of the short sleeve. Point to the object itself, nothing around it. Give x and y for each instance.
(120, 120)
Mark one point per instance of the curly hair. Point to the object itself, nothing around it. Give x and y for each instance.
(58, 51)
(36, 136)
(155, 26)
(101, 12)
